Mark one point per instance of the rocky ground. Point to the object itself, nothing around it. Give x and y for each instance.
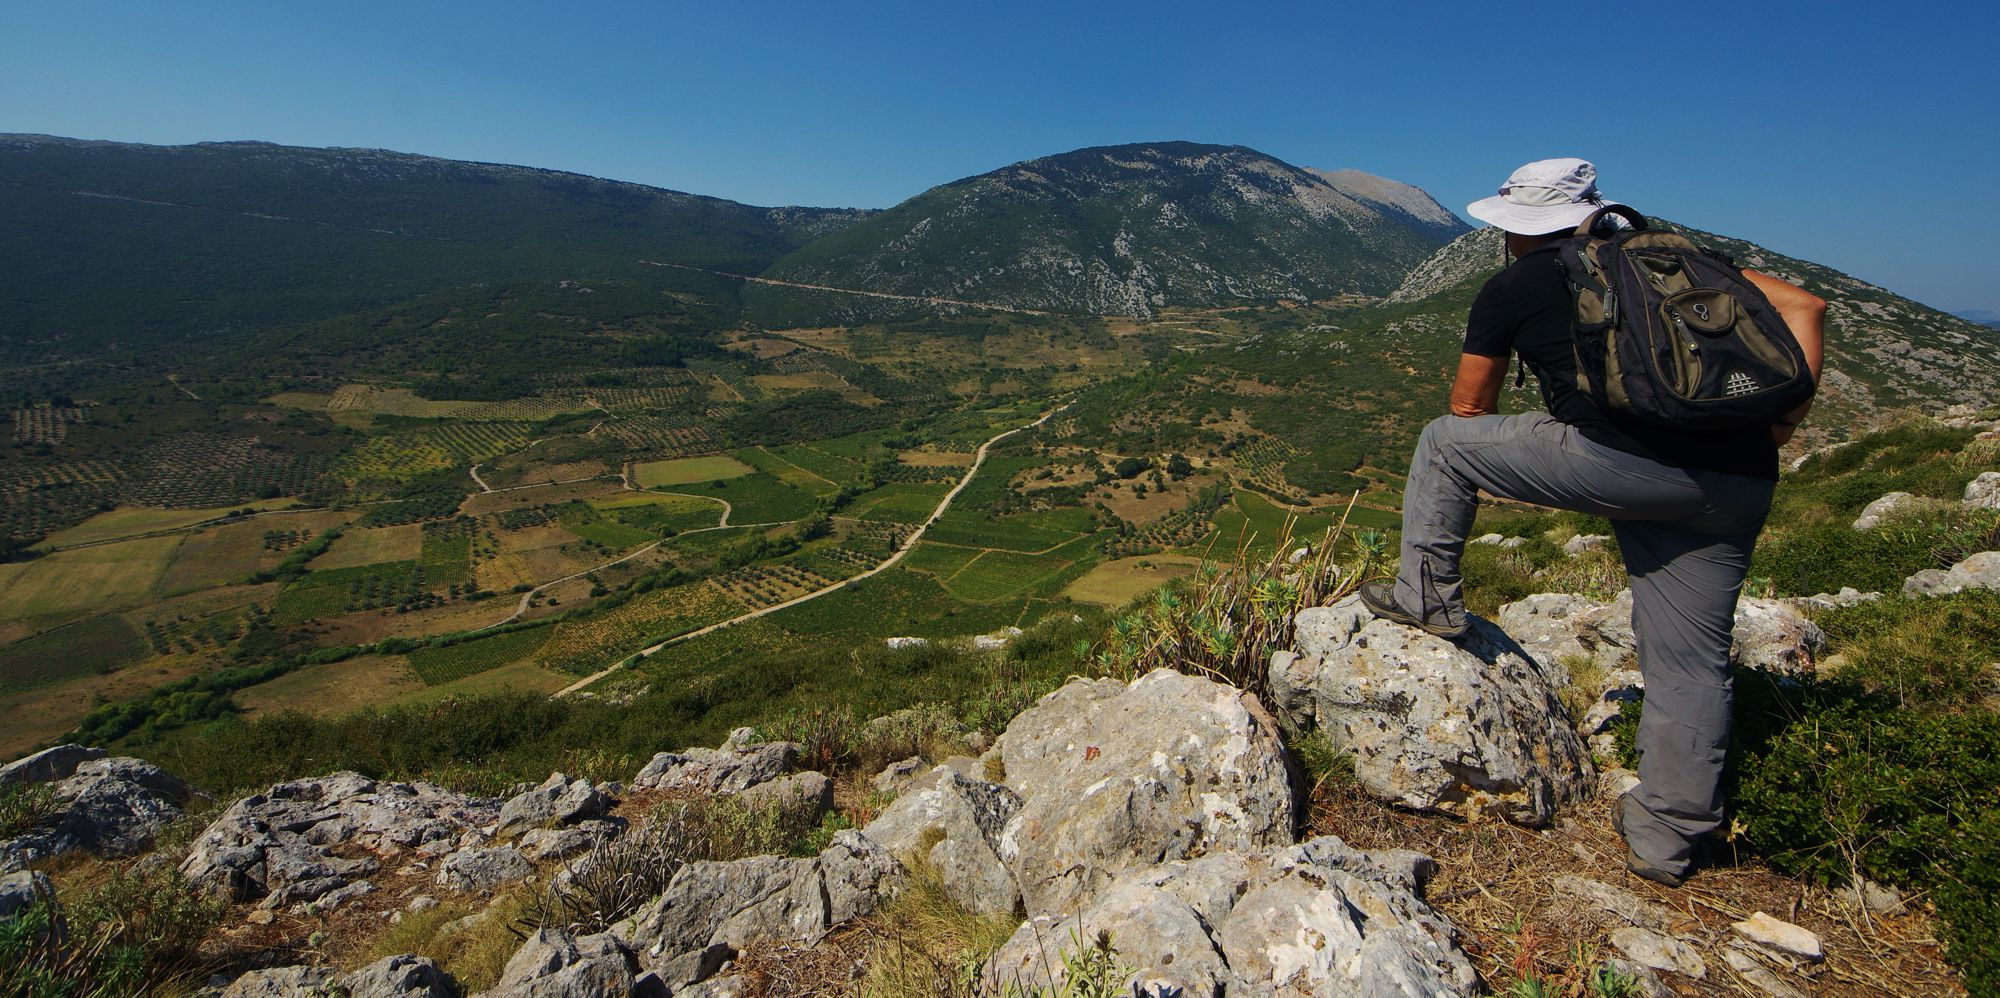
(1168, 834)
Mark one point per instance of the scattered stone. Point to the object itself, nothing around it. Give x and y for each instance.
(1980, 493)
(470, 870)
(261, 916)
(735, 767)
(1584, 542)
(279, 845)
(1513, 542)
(1649, 983)
(996, 640)
(404, 976)
(1658, 951)
(421, 903)
(1873, 513)
(1113, 776)
(906, 642)
(1876, 898)
(1493, 539)
(558, 801)
(1757, 975)
(1847, 596)
(957, 823)
(1780, 936)
(1980, 571)
(1623, 904)
(1433, 724)
(1613, 783)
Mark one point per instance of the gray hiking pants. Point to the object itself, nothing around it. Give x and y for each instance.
(1686, 537)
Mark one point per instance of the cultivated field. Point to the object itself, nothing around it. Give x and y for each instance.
(372, 546)
(1115, 583)
(106, 576)
(333, 688)
(687, 470)
(131, 521)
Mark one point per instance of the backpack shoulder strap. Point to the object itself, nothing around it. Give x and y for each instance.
(1623, 211)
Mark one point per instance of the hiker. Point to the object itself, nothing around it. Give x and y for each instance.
(1686, 505)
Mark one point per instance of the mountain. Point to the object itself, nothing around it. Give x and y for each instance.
(1883, 350)
(1126, 230)
(122, 244)
(1983, 316)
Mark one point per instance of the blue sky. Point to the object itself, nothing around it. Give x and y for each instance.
(1863, 136)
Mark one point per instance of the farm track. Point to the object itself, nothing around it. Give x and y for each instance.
(924, 299)
(979, 460)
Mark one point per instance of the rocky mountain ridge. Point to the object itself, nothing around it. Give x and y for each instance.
(1126, 230)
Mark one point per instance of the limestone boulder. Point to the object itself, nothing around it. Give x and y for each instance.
(1875, 512)
(1983, 492)
(807, 796)
(554, 964)
(957, 824)
(477, 870)
(558, 801)
(1773, 636)
(280, 982)
(713, 909)
(1433, 724)
(1980, 571)
(1319, 918)
(107, 806)
(738, 765)
(300, 840)
(22, 888)
(404, 976)
(1113, 776)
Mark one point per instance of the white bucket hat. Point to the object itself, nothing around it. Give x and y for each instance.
(1548, 195)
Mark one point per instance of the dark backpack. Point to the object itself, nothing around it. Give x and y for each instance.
(1670, 334)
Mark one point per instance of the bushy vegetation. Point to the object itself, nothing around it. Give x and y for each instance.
(136, 931)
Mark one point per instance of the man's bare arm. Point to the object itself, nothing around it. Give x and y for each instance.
(1476, 391)
(1805, 314)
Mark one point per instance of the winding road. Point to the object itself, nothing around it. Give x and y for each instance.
(978, 460)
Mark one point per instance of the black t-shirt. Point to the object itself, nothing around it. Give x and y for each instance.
(1526, 309)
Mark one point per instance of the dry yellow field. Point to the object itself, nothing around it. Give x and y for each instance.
(372, 546)
(1115, 583)
(234, 551)
(131, 521)
(518, 676)
(936, 458)
(332, 688)
(107, 576)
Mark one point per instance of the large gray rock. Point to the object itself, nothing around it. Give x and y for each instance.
(807, 796)
(1980, 571)
(558, 801)
(472, 870)
(280, 845)
(280, 982)
(48, 765)
(735, 767)
(1319, 918)
(562, 843)
(22, 888)
(1434, 724)
(1557, 628)
(1773, 636)
(111, 807)
(758, 901)
(404, 976)
(1875, 512)
(1984, 492)
(1113, 776)
(957, 824)
(553, 964)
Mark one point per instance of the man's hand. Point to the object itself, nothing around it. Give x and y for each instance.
(1476, 391)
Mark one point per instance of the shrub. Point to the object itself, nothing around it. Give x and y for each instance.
(136, 932)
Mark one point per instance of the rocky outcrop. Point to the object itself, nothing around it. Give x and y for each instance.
(403, 976)
(554, 964)
(22, 888)
(1434, 724)
(298, 841)
(738, 765)
(107, 806)
(1875, 512)
(1319, 919)
(1980, 571)
(1983, 492)
(1113, 776)
(475, 870)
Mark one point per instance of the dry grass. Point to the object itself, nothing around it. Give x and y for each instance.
(1496, 883)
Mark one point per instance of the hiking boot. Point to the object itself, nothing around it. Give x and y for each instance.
(1379, 596)
(1639, 867)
